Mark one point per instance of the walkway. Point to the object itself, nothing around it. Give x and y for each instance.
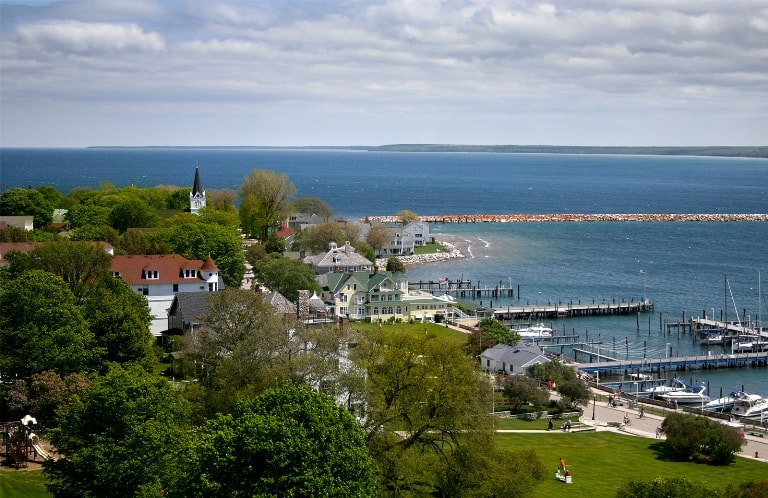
(647, 425)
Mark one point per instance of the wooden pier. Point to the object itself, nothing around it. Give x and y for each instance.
(568, 310)
(661, 366)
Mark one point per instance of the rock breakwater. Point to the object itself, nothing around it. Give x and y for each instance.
(581, 217)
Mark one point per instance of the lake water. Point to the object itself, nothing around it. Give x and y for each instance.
(685, 263)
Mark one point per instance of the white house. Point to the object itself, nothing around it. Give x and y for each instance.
(406, 239)
(338, 259)
(160, 276)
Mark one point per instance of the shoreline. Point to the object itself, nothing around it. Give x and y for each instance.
(456, 248)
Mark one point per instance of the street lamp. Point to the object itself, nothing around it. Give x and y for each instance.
(594, 402)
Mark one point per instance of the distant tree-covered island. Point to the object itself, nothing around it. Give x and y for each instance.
(712, 151)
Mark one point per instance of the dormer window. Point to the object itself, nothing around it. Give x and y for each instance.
(150, 274)
(116, 274)
(189, 273)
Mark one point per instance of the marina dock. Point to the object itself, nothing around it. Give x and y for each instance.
(567, 310)
(662, 366)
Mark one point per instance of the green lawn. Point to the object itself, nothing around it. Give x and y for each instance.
(413, 328)
(601, 462)
(23, 484)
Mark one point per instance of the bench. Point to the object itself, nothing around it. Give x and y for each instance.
(757, 434)
(614, 424)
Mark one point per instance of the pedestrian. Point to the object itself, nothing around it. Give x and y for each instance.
(658, 432)
(550, 425)
(562, 464)
(642, 412)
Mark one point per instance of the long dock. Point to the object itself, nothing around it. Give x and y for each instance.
(572, 310)
(672, 364)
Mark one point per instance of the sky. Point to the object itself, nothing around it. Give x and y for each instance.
(347, 72)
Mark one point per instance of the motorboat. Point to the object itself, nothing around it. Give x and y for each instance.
(657, 391)
(538, 331)
(715, 338)
(750, 405)
(689, 395)
(725, 403)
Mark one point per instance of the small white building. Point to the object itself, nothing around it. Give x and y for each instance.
(506, 359)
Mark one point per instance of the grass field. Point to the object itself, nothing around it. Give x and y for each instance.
(601, 462)
(23, 484)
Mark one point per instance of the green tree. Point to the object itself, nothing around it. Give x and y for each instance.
(488, 333)
(395, 265)
(379, 235)
(521, 390)
(119, 319)
(312, 205)
(133, 213)
(424, 403)
(125, 435)
(82, 215)
(286, 276)
(265, 197)
(200, 240)
(289, 441)
(317, 238)
(690, 437)
(80, 264)
(42, 328)
(27, 202)
(407, 217)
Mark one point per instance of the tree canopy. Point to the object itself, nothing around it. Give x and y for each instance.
(312, 205)
(265, 197)
(289, 441)
(689, 437)
(286, 276)
(125, 435)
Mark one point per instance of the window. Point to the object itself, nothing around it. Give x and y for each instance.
(399, 310)
(376, 310)
(151, 274)
(175, 287)
(116, 274)
(190, 273)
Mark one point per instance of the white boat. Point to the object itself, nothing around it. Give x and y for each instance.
(725, 403)
(750, 405)
(716, 338)
(657, 391)
(538, 331)
(696, 394)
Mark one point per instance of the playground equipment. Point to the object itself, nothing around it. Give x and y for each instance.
(20, 441)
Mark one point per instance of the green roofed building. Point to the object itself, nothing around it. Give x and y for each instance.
(379, 296)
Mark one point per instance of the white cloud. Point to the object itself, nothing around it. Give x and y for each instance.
(492, 71)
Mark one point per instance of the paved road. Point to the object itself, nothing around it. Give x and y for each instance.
(647, 425)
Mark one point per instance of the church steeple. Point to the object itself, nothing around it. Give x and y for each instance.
(197, 196)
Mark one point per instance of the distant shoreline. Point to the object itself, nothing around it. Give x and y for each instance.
(745, 151)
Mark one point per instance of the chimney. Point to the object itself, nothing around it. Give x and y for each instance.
(303, 305)
(347, 248)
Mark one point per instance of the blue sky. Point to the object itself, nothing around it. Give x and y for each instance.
(346, 72)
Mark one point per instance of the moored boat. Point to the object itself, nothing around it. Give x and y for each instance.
(750, 405)
(538, 331)
(725, 403)
(689, 395)
(658, 391)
